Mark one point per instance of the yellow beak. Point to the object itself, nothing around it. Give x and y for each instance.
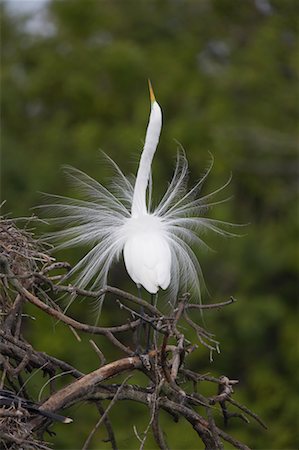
(152, 95)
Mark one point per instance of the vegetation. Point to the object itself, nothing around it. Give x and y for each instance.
(226, 76)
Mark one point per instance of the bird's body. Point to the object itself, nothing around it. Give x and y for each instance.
(147, 254)
(155, 243)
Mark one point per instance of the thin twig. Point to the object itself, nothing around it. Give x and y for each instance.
(98, 424)
(248, 411)
(212, 305)
(98, 352)
(108, 426)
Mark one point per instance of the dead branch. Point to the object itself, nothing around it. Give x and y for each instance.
(26, 276)
(103, 417)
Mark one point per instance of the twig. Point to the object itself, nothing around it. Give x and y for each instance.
(212, 305)
(108, 426)
(98, 352)
(166, 375)
(224, 391)
(178, 356)
(248, 411)
(102, 418)
(106, 331)
(202, 335)
(157, 431)
(87, 383)
(72, 322)
(97, 294)
(213, 429)
(37, 359)
(200, 425)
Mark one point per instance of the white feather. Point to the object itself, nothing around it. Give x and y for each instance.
(156, 245)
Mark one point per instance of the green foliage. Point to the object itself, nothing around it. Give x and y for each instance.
(225, 74)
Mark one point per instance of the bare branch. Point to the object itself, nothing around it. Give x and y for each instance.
(103, 417)
(26, 276)
(212, 305)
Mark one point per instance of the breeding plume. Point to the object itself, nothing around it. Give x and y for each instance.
(155, 242)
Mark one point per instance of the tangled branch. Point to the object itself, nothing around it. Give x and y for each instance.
(26, 276)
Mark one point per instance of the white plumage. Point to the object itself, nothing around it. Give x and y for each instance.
(156, 244)
(147, 253)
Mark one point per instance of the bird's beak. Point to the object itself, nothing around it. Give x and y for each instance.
(152, 95)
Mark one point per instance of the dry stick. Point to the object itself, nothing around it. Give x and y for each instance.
(87, 383)
(226, 437)
(159, 381)
(13, 313)
(198, 377)
(137, 435)
(163, 358)
(153, 406)
(158, 432)
(72, 322)
(21, 366)
(138, 301)
(225, 389)
(108, 427)
(96, 294)
(19, 319)
(206, 334)
(203, 334)
(56, 265)
(16, 413)
(231, 440)
(211, 305)
(98, 352)
(178, 355)
(150, 320)
(5, 361)
(19, 349)
(212, 425)
(54, 305)
(200, 425)
(21, 441)
(98, 424)
(63, 365)
(106, 331)
(118, 292)
(247, 411)
(228, 415)
(145, 432)
(3, 378)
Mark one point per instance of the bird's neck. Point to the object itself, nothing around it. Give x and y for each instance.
(139, 206)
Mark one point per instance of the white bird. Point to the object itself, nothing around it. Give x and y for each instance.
(147, 252)
(155, 242)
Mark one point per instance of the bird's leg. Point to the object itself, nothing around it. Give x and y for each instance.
(142, 323)
(148, 338)
(156, 299)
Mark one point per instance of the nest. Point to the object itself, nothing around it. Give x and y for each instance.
(22, 254)
(19, 247)
(15, 432)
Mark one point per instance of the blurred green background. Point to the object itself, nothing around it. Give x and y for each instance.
(74, 80)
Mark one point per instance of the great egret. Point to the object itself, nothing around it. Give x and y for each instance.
(155, 242)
